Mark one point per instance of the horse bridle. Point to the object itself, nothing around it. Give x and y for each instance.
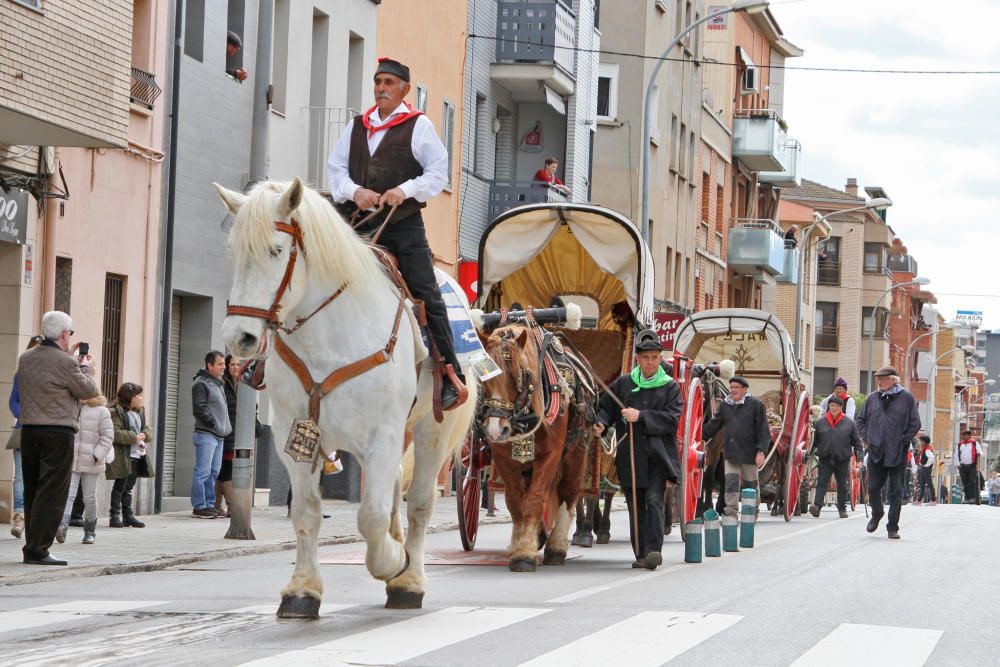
(271, 315)
(519, 414)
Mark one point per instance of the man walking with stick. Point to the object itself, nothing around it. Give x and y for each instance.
(887, 423)
(649, 402)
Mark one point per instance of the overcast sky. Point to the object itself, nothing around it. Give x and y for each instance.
(931, 141)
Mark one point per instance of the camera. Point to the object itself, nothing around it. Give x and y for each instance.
(84, 349)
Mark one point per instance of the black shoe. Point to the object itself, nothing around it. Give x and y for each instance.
(115, 521)
(132, 522)
(893, 534)
(652, 560)
(48, 560)
(814, 510)
(449, 395)
(843, 514)
(873, 523)
(76, 521)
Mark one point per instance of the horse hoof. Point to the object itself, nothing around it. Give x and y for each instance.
(586, 541)
(603, 538)
(554, 558)
(299, 607)
(400, 599)
(577, 540)
(523, 565)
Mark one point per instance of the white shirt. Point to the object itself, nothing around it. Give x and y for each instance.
(965, 452)
(930, 458)
(425, 145)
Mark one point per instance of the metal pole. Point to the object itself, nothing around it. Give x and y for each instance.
(167, 260)
(246, 397)
(798, 292)
(647, 109)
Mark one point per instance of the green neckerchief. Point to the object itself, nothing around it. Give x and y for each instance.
(659, 379)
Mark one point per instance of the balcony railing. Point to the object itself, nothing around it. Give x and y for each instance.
(325, 126)
(828, 273)
(536, 31)
(505, 195)
(144, 90)
(790, 162)
(790, 266)
(827, 338)
(759, 140)
(756, 245)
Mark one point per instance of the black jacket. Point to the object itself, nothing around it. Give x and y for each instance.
(229, 442)
(208, 403)
(655, 433)
(836, 443)
(887, 424)
(747, 430)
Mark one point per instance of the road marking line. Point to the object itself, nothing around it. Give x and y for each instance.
(871, 646)
(650, 638)
(272, 609)
(811, 529)
(396, 642)
(35, 617)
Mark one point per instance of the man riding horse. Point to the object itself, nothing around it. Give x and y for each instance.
(390, 156)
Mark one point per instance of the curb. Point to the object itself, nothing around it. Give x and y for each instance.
(173, 560)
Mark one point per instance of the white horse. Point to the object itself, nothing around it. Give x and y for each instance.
(369, 414)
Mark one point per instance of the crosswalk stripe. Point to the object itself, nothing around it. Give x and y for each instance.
(396, 642)
(650, 638)
(871, 645)
(271, 609)
(35, 617)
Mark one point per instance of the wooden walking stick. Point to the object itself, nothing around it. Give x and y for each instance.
(635, 506)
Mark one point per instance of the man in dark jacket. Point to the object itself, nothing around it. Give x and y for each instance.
(748, 438)
(887, 423)
(652, 406)
(835, 439)
(211, 426)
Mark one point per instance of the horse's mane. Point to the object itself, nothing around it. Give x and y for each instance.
(333, 250)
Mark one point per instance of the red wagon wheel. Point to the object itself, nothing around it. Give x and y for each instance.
(692, 455)
(795, 461)
(855, 483)
(470, 485)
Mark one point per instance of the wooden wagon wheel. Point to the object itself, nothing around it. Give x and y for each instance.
(692, 455)
(855, 483)
(798, 449)
(470, 485)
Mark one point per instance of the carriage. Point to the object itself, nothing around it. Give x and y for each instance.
(544, 254)
(762, 352)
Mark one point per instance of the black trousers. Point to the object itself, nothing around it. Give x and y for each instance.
(878, 475)
(407, 240)
(47, 466)
(121, 492)
(924, 482)
(650, 516)
(970, 480)
(839, 470)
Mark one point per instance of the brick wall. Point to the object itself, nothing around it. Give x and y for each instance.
(69, 64)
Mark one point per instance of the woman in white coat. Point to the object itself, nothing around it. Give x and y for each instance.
(93, 442)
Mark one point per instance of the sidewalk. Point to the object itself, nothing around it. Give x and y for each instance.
(177, 538)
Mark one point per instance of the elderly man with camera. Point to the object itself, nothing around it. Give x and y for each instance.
(52, 382)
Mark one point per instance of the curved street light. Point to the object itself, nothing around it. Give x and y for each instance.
(906, 358)
(748, 6)
(871, 335)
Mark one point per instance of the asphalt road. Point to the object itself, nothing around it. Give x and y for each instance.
(811, 592)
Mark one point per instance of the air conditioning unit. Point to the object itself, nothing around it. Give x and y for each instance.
(750, 83)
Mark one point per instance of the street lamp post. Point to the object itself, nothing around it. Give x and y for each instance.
(909, 348)
(749, 6)
(871, 334)
(820, 221)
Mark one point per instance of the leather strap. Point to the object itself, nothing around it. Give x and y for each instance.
(271, 315)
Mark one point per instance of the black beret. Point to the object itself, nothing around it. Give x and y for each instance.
(739, 379)
(836, 399)
(394, 67)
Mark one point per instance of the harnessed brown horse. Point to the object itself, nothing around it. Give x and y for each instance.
(538, 442)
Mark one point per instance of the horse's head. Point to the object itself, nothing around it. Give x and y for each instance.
(270, 274)
(512, 401)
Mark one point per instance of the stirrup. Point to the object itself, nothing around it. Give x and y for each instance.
(463, 391)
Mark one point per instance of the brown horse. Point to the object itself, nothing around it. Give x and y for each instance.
(546, 476)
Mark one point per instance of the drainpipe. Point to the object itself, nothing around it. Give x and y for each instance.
(50, 216)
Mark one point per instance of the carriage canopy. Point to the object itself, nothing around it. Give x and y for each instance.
(544, 250)
(754, 339)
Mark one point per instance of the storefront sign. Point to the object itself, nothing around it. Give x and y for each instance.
(719, 22)
(13, 215)
(29, 265)
(665, 325)
(972, 318)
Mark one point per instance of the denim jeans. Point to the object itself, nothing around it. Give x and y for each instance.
(18, 483)
(88, 482)
(207, 462)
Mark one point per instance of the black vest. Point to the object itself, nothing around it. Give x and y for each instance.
(392, 165)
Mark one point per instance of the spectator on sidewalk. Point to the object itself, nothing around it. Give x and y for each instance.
(993, 488)
(836, 438)
(224, 484)
(14, 444)
(968, 452)
(925, 468)
(51, 383)
(133, 437)
(840, 389)
(887, 423)
(90, 451)
(211, 426)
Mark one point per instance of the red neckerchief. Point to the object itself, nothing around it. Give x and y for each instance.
(398, 120)
(831, 422)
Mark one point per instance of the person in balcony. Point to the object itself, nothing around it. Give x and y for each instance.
(233, 46)
(547, 174)
(790, 241)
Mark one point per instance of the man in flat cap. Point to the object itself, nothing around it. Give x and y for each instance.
(835, 439)
(748, 439)
(887, 423)
(652, 404)
(391, 156)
